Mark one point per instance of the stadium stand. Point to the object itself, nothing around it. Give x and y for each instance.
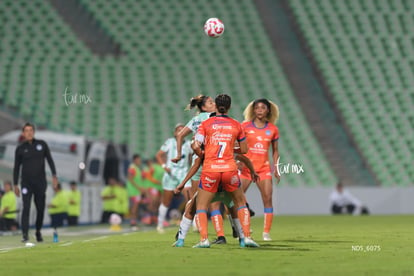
(363, 51)
(139, 96)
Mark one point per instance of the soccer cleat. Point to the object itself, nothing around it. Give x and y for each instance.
(241, 242)
(178, 243)
(202, 244)
(160, 230)
(266, 236)
(220, 240)
(25, 238)
(39, 237)
(249, 242)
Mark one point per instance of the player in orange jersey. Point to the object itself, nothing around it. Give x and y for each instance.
(261, 135)
(218, 134)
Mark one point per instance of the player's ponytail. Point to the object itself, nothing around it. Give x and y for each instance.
(198, 102)
(223, 103)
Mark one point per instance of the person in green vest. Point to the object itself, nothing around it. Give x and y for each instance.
(135, 188)
(153, 173)
(121, 193)
(74, 210)
(58, 209)
(108, 196)
(8, 210)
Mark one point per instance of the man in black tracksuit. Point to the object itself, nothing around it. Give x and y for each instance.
(30, 155)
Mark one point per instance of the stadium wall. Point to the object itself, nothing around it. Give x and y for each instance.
(315, 200)
(289, 201)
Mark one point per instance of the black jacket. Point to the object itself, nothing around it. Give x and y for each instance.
(31, 157)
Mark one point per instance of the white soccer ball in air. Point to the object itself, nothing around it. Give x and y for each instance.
(214, 27)
(115, 219)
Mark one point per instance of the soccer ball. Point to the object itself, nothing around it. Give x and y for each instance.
(214, 27)
(115, 219)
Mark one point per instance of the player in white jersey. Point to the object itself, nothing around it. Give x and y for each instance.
(174, 172)
(205, 106)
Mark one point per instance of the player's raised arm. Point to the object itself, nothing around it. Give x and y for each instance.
(180, 138)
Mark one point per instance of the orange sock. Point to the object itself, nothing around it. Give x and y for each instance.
(268, 218)
(244, 217)
(217, 220)
(201, 221)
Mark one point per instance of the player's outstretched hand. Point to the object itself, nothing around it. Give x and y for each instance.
(176, 159)
(255, 177)
(277, 177)
(17, 190)
(178, 189)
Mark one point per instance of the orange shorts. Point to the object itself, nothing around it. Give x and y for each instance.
(263, 174)
(210, 181)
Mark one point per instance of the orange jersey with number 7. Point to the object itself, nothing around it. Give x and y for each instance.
(218, 134)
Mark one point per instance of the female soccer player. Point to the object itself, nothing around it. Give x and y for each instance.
(218, 134)
(221, 196)
(261, 134)
(205, 106)
(174, 172)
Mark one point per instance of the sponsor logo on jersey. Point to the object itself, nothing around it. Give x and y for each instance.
(220, 166)
(251, 131)
(218, 136)
(259, 138)
(222, 127)
(210, 180)
(258, 146)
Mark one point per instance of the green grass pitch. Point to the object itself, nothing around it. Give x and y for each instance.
(302, 245)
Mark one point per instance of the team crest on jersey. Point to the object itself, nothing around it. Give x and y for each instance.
(268, 132)
(39, 147)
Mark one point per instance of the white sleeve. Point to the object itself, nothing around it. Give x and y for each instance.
(333, 197)
(193, 124)
(351, 199)
(199, 138)
(166, 146)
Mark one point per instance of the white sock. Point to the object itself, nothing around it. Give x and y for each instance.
(162, 213)
(238, 227)
(194, 223)
(185, 226)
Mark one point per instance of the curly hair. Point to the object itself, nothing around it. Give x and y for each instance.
(271, 117)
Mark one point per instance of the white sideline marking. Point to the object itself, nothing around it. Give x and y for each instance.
(95, 239)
